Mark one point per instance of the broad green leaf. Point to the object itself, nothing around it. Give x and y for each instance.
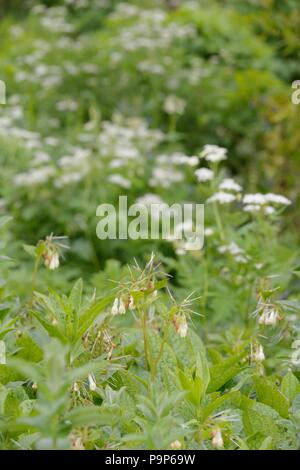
(231, 399)
(88, 317)
(290, 386)
(28, 349)
(51, 329)
(258, 426)
(268, 394)
(222, 372)
(8, 374)
(93, 416)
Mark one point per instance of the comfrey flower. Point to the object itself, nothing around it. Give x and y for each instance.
(204, 174)
(115, 307)
(118, 307)
(270, 316)
(92, 383)
(181, 325)
(51, 259)
(176, 445)
(51, 249)
(257, 353)
(217, 440)
(131, 304)
(213, 153)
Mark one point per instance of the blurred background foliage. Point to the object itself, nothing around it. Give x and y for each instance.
(234, 74)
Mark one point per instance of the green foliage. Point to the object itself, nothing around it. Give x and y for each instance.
(146, 344)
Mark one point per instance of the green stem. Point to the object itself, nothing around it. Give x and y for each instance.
(33, 282)
(146, 340)
(219, 221)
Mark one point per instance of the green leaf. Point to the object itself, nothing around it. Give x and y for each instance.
(8, 374)
(76, 295)
(268, 394)
(290, 386)
(235, 399)
(93, 416)
(28, 349)
(258, 426)
(26, 369)
(2, 353)
(30, 250)
(224, 371)
(89, 316)
(4, 220)
(51, 329)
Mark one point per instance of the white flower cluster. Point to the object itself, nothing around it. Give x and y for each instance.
(264, 202)
(174, 105)
(151, 31)
(214, 153)
(234, 250)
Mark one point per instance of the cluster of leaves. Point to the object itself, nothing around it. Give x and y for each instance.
(75, 374)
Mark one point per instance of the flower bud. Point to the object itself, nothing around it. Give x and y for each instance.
(122, 308)
(115, 307)
(176, 445)
(131, 304)
(181, 326)
(92, 383)
(51, 259)
(217, 440)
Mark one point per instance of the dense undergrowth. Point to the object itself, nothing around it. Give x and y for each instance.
(140, 344)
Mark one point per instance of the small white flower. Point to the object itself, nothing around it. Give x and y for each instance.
(209, 231)
(92, 383)
(252, 208)
(51, 259)
(222, 198)
(115, 307)
(120, 181)
(217, 440)
(176, 445)
(181, 326)
(131, 304)
(269, 210)
(277, 199)
(204, 174)
(257, 353)
(192, 161)
(229, 184)
(174, 105)
(122, 308)
(213, 153)
(269, 317)
(254, 199)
